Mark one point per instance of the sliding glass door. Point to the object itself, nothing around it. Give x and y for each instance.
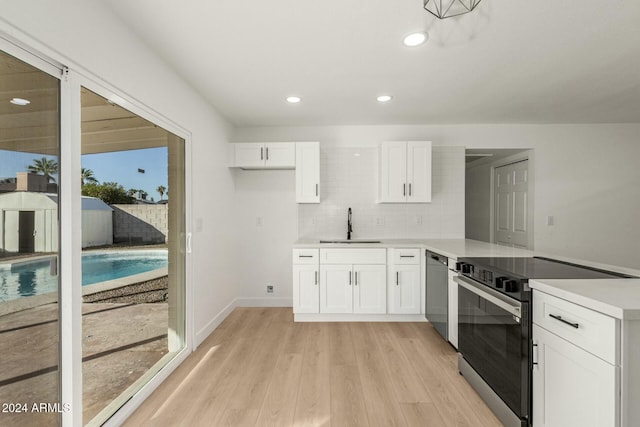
(130, 300)
(29, 232)
(133, 258)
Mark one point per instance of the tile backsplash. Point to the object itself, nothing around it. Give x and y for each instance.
(349, 178)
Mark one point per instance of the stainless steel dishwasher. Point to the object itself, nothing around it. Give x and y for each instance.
(437, 292)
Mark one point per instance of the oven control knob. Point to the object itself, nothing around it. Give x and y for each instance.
(511, 285)
(500, 282)
(467, 268)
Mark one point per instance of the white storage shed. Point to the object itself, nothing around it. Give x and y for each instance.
(28, 222)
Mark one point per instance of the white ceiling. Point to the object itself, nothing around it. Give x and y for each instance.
(515, 61)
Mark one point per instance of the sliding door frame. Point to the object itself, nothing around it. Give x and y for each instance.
(96, 85)
(72, 77)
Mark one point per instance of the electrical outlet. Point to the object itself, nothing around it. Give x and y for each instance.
(551, 220)
(418, 220)
(269, 289)
(259, 221)
(380, 220)
(314, 221)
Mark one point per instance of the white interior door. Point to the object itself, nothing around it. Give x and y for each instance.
(511, 185)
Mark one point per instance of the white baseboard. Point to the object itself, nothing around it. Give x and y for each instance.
(264, 302)
(304, 317)
(203, 333)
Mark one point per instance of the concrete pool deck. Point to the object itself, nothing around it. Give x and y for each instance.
(120, 343)
(24, 303)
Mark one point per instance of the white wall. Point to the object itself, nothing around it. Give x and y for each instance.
(349, 178)
(346, 181)
(586, 176)
(85, 34)
(267, 225)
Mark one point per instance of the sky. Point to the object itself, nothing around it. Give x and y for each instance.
(121, 167)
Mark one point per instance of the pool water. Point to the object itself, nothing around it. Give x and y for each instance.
(35, 278)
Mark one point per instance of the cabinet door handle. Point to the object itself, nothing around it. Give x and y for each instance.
(397, 278)
(316, 277)
(534, 355)
(261, 153)
(305, 256)
(404, 189)
(356, 278)
(267, 153)
(566, 322)
(407, 256)
(409, 189)
(350, 278)
(316, 189)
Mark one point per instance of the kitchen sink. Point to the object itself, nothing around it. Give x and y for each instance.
(350, 241)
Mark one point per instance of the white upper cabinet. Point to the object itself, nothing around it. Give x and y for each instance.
(270, 155)
(307, 172)
(405, 172)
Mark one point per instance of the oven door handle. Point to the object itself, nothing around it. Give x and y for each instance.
(512, 306)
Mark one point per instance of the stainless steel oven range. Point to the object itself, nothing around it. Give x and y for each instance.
(494, 327)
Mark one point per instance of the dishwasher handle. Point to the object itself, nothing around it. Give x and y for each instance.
(437, 258)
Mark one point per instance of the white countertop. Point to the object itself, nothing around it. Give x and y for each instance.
(451, 248)
(619, 298)
(461, 248)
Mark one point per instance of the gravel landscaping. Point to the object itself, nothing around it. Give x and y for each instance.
(151, 291)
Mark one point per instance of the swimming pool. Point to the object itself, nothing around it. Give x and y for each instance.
(34, 278)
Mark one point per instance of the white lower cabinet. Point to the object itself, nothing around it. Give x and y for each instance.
(404, 281)
(370, 289)
(306, 294)
(576, 372)
(404, 289)
(346, 288)
(306, 281)
(571, 387)
(336, 294)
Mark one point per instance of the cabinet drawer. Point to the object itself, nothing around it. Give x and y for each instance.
(583, 327)
(353, 256)
(405, 256)
(306, 256)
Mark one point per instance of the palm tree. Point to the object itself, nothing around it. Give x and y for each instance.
(161, 189)
(46, 167)
(86, 176)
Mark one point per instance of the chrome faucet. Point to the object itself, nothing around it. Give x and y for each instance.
(349, 225)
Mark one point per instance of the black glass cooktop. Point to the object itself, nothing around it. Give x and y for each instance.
(540, 268)
(511, 275)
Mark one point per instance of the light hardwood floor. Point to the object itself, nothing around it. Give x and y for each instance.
(259, 368)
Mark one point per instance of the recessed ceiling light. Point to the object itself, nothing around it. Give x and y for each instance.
(384, 98)
(293, 99)
(20, 101)
(415, 39)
